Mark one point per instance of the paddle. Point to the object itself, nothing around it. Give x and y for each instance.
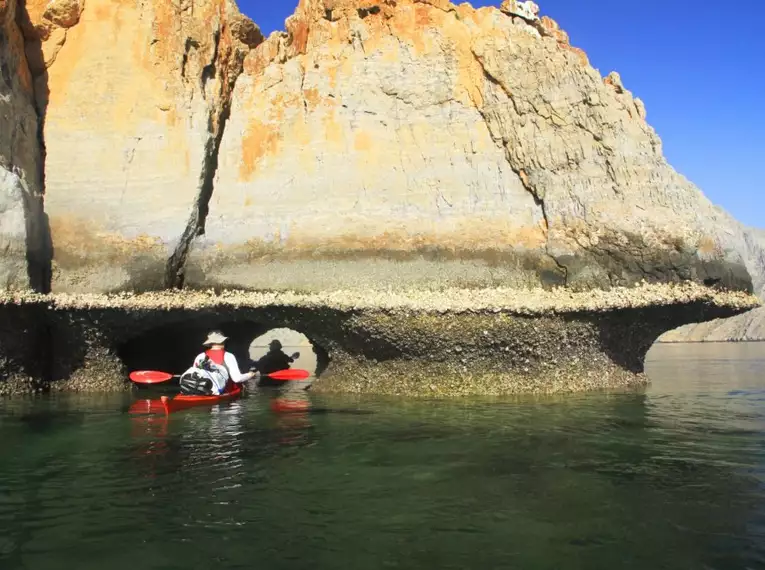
(157, 377)
(289, 374)
(151, 376)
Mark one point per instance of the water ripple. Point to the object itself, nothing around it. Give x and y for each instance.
(669, 478)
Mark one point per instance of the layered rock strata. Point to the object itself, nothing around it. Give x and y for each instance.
(456, 342)
(423, 144)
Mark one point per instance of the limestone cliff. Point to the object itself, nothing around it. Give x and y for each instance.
(418, 142)
(22, 230)
(135, 97)
(411, 144)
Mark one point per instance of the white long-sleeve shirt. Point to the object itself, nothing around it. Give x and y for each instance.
(230, 369)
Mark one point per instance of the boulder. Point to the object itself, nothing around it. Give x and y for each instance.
(527, 10)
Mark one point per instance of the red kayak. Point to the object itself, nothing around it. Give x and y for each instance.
(181, 402)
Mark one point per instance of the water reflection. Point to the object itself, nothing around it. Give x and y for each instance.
(293, 421)
(668, 477)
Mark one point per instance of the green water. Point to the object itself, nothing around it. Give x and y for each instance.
(668, 477)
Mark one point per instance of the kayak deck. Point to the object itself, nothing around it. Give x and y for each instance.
(181, 402)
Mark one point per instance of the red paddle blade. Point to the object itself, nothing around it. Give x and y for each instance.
(289, 374)
(149, 376)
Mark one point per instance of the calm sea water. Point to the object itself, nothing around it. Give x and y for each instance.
(668, 477)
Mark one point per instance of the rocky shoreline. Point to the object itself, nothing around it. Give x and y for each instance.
(452, 342)
(458, 200)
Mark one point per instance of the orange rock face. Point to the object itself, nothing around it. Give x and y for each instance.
(135, 96)
(374, 143)
(432, 137)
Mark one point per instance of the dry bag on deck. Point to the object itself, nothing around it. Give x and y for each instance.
(196, 382)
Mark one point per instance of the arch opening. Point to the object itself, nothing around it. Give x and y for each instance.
(281, 348)
(173, 347)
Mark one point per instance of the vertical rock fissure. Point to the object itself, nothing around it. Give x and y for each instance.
(209, 70)
(541, 203)
(522, 176)
(40, 263)
(216, 126)
(39, 246)
(189, 44)
(175, 271)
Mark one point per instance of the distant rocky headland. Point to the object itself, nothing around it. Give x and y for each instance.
(375, 150)
(748, 327)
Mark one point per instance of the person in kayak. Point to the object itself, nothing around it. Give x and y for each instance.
(213, 369)
(274, 360)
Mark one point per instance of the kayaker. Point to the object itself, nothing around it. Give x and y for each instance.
(274, 360)
(213, 369)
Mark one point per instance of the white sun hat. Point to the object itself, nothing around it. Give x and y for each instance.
(215, 337)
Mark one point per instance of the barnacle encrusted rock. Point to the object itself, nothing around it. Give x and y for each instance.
(454, 342)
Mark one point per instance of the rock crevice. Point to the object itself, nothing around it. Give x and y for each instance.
(230, 46)
(522, 176)
(24, 233)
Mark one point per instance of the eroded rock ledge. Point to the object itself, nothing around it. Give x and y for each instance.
(450, 342)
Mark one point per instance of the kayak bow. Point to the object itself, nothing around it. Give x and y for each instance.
(182, 402)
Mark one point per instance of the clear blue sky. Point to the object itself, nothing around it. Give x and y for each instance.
(700, 73)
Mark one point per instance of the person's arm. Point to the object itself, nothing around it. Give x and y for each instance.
(233, 369)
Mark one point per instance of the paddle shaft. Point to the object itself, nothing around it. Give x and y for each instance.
(139, 377)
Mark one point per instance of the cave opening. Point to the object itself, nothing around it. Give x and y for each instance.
(280, 348)
(173, 347)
